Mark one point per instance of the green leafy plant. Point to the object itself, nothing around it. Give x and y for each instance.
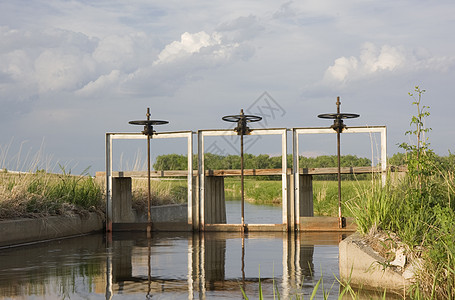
(419, 154)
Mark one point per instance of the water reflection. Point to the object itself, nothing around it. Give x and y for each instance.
(171, 266)
(218, 264)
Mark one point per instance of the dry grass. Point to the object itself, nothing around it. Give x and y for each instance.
(40, 194)
(163, 192)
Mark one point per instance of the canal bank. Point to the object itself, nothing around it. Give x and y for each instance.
(26, 230)
(22, 231)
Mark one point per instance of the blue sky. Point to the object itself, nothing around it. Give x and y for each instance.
(70, 71)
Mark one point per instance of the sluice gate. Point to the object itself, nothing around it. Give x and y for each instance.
(206, 207)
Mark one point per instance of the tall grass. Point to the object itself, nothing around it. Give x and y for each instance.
(44, 194)
(321, 292)
(421, 214)
(163, 192)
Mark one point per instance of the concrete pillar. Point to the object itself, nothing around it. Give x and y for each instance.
(306, 195)
(122, 211)
(215, 204)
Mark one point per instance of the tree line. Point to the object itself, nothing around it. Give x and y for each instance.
(265, 161)
(261, 161)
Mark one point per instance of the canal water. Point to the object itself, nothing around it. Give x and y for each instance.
(174, 265)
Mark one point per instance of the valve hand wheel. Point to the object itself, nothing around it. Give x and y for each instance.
(338, 116)
(148, 122)
(241, 120)
(148, 125)
(247, 118)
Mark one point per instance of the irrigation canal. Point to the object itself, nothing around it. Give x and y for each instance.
(206, 265)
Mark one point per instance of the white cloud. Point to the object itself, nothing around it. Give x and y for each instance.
(103, 82)
(114, 50)
(387, 58)
(342, 68)
(56, 70)
(188, 44)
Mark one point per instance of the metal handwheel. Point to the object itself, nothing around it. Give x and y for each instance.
(148, 124)
(241, 121)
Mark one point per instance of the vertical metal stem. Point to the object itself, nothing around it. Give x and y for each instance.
(340, 218)
(149, 195)
(241, 179)
(149, 262)
(243, 262)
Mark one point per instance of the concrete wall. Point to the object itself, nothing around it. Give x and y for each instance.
(215, 203)
(13, 232)
(122, 200)
(166, 213)
(363, 267)
(306, 196)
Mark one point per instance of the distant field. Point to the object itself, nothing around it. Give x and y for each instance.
(325, 193)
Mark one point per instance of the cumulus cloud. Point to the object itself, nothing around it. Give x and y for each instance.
(101, 83)
(114, 50)
(34, 62)
(43, 61)
(373, 60)
(194, 43)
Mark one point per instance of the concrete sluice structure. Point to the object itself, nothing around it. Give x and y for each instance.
(206, 207)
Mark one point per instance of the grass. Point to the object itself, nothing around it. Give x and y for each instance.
(44, 194)
(321, 292)
(41, 194)
(163, 192)
(325, 193)
(422, 216)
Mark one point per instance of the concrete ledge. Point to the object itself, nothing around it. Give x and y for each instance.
(155, 226)
(248, 227)
(326, 224)
(14, 232)
(363, 267)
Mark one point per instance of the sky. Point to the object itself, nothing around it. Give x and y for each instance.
(70, 71)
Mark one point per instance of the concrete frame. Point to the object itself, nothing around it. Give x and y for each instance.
(139, 136)
(315, 130)
(201, 169)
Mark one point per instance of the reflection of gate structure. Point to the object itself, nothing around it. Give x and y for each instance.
(134, 263)
(206, 209)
